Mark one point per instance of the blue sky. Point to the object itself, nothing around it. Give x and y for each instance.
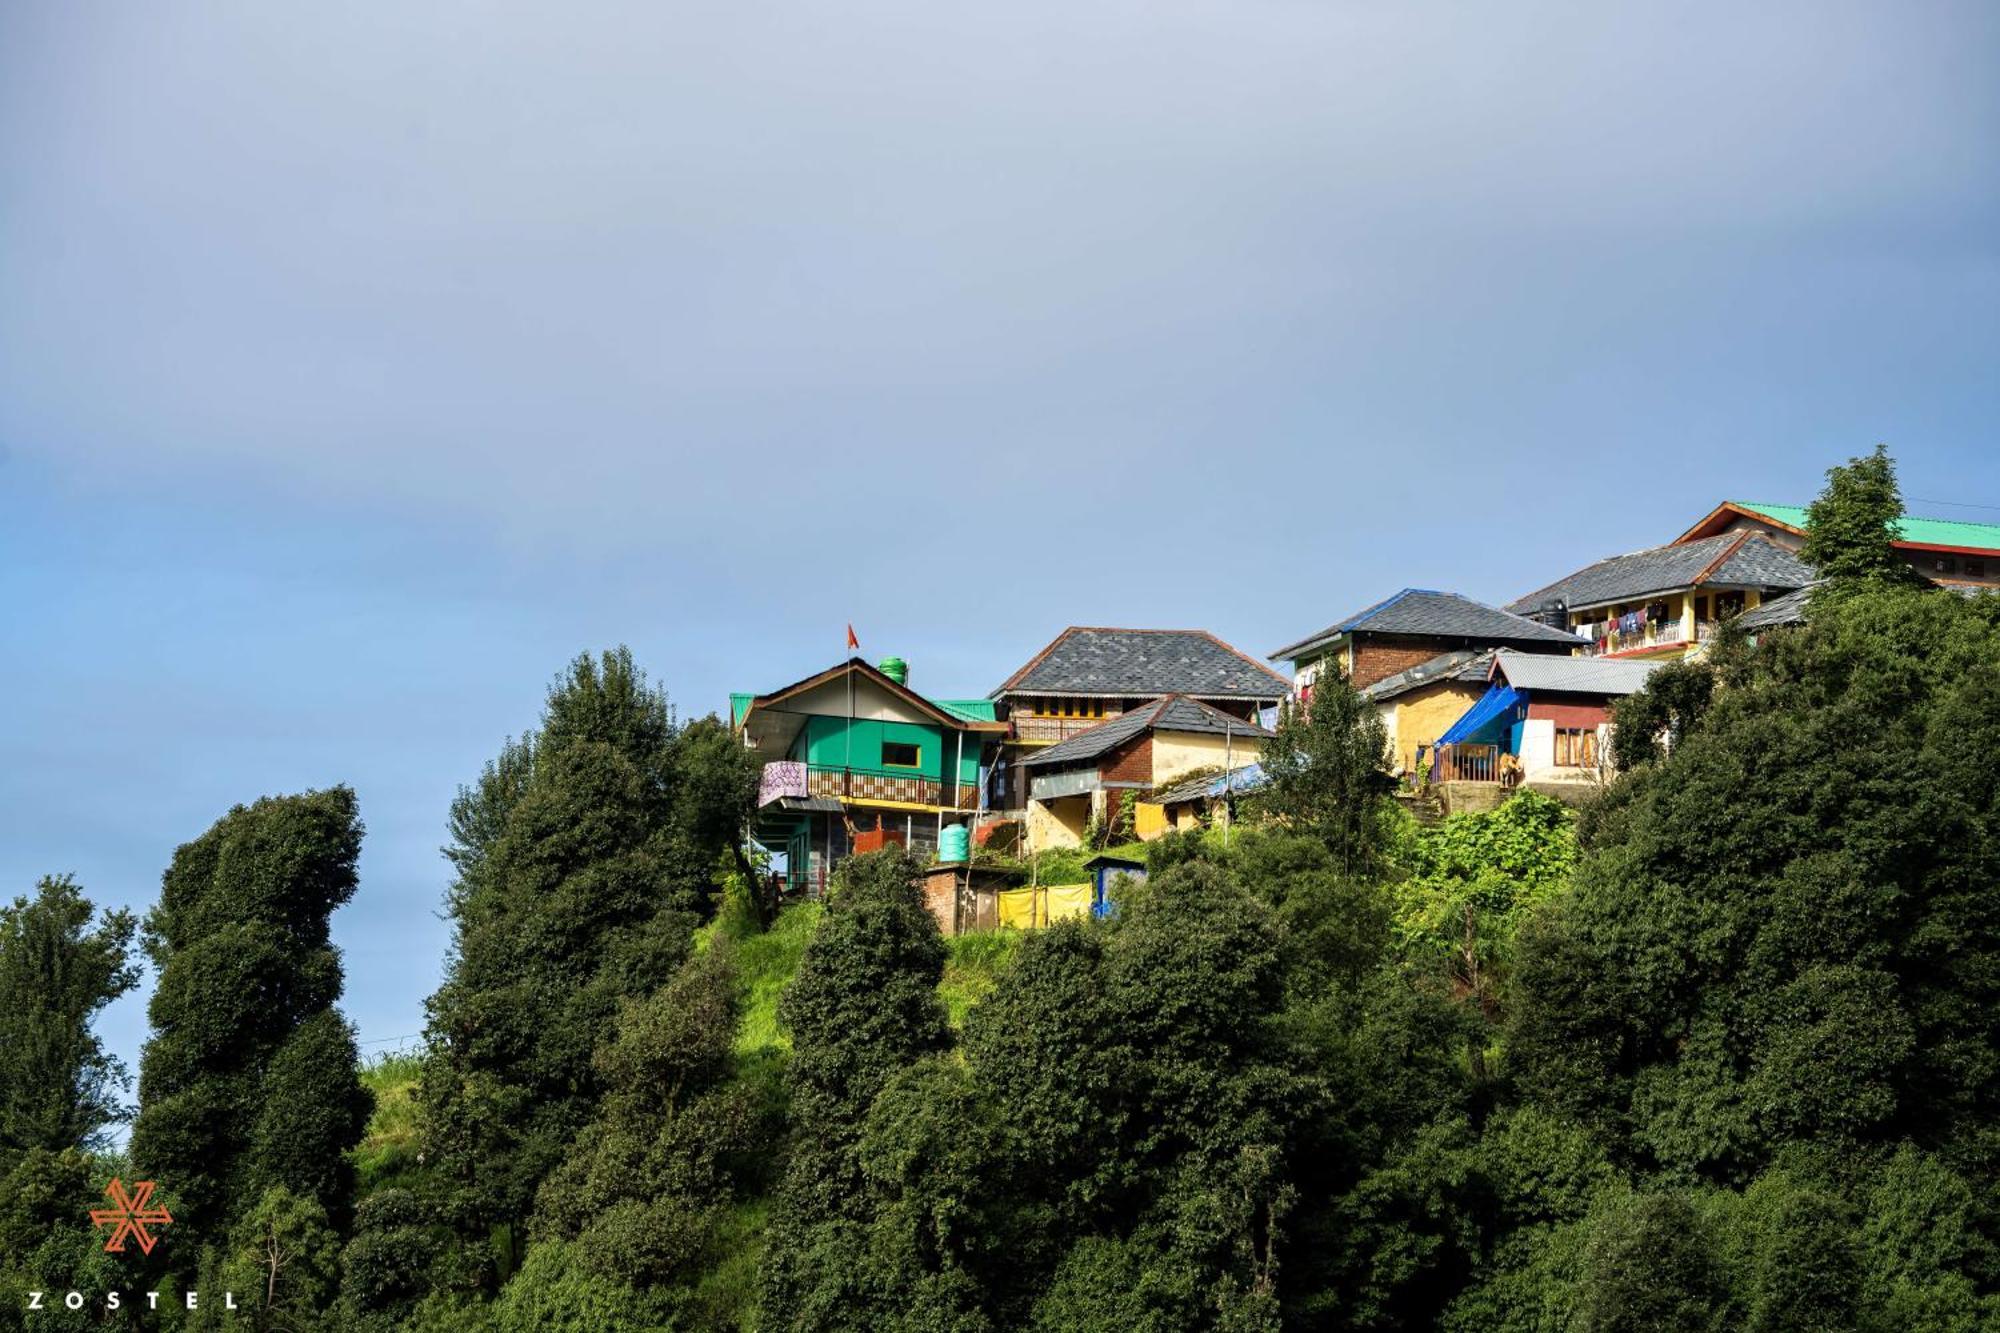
(360, 364)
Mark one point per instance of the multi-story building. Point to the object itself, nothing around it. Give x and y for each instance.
(1090, 675)
(1667, 600)
(855, 758)
(1943, 550)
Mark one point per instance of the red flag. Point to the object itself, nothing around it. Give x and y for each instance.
(853, 644)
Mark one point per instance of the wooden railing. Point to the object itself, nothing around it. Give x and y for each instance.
(862, 784)
(1029, 727)
(1467, 763)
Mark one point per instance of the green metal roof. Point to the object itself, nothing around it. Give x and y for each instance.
(1925, 531)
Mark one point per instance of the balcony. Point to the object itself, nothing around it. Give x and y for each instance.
(1030, 727)
(1665, 634)
(790, 777)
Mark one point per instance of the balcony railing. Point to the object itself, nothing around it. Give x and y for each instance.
(1033, 728)
(789, 777)
(1669, 633)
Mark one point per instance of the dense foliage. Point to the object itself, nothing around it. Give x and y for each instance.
(585, 855)
(58, 1085)
(248, 1082)
(1716, 1051)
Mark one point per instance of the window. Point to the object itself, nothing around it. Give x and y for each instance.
(1975, 568)
(1944, 564)
(895, 754)
(1576, 747)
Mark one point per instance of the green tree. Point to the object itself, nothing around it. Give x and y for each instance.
(58, 1085)
(1473, 880)
(585, 854)
(249, 1079)
(1786, 931)
(1851, 529)
(1324, 774)
(283, 1263)
(862, 1006)
(645, 1189)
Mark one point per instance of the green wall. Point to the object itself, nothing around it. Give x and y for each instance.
(827, 740)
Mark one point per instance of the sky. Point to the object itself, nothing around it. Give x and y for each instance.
(360, 364)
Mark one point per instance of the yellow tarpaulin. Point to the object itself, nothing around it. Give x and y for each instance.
(1066, 900)
(1024, 909)
(1149, 820)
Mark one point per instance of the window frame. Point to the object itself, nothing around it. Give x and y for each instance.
(915, 748)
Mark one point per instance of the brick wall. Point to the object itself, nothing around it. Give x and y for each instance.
(1134, 763)
(1375, 661)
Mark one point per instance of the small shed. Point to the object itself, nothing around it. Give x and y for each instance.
(964, 897)
(1102, 869)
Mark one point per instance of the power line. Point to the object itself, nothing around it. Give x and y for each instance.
(1959, 504)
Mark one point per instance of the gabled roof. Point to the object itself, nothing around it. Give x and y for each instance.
(1570, 675)
(1927, 533)
(1731, 560)
(1127, 662)
(1465, 664)
(1425, 611)
(955, 714)
(1176, 712)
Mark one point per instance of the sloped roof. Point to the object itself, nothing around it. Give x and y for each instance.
(1426, 611)
(1732, 559)
(1466, 664)
(1247, 778)
(1176, 712)
(956, 713)
(1099, 661)
(1787, 610)
(1571, 675)
(1948, 532)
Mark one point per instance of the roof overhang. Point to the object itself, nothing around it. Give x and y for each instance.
(1715, 520)
(769, 727)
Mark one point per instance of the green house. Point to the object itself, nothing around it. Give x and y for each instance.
(855, 759)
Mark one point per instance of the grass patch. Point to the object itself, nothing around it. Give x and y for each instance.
(725, 1296)
(973, 964)
(764, 964)
(387, 1153)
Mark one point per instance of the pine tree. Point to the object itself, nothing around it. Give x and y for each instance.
(58, 1085)
(249, 1081)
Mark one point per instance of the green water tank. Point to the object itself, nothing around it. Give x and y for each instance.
(954, 844)
(896, 669)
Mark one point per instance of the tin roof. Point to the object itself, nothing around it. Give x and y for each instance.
(1571, 675)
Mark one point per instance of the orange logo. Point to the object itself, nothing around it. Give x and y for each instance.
(134, 1213)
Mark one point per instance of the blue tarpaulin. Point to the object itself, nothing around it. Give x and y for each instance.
(1489, 720)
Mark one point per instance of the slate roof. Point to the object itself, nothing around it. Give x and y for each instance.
(1787, 610)
(1466, 664)
(1097, 661)
(1733, 559)
(1176, 712)
(1425, 611)
(1575, 675)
